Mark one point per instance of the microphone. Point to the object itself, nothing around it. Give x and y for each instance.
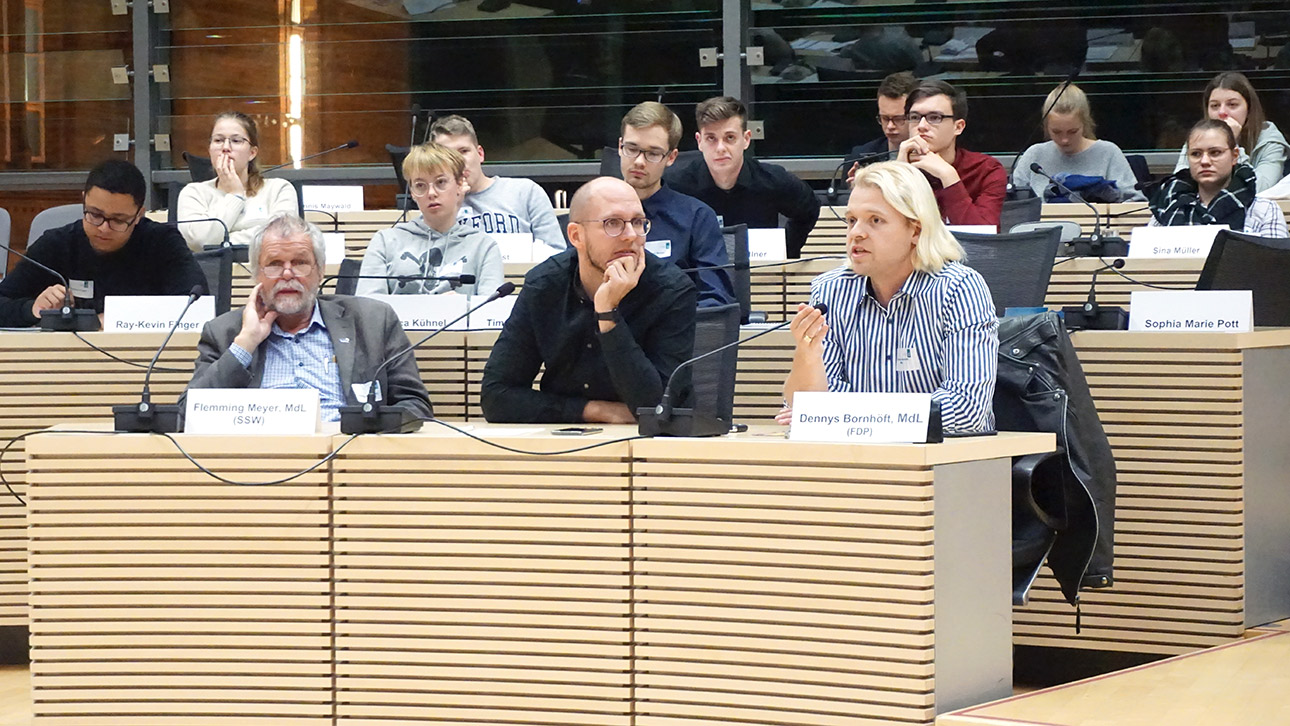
(664, 420)
(240, 253)
(1043, 117)
(832, 193)
(1091, 315)
(372, 417)
(68, 318)
(454, 280)
(143, 417)
(1097, 244)
(351, 144)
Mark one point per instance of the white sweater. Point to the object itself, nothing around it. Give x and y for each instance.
(244, 217)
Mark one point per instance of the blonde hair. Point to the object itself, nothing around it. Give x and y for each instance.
(653, 113)
(1072, 101)
(430, 156)
(454, 125)
(905, 188)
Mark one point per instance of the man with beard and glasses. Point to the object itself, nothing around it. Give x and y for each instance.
(607, 319)
(287, 336)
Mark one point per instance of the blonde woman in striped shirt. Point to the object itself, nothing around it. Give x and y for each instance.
(904, 315)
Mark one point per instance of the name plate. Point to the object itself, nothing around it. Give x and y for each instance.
(332, 198)
(767, 245)
(154, 313)
(877, 418)
(1193, 241)
(427, 312)
(515, 246)
(493, 315)
(252, 411)
(1192, 311)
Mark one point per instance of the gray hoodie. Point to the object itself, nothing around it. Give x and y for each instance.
(413, 249)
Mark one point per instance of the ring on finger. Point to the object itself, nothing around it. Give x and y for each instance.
(808, 338)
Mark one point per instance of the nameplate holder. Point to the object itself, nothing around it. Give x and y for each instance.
(861, 418)
(493, 315)
(1191, 241)
(767, 245)
(515, 246)
(251, 411)
(332, 197)
(427, 312)
(155, 313)
(1192, 311)
(334, 247)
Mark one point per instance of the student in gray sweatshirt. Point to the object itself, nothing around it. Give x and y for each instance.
(436, 244)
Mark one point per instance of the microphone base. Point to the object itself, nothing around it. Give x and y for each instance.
(365, 419)
(78, 320)
(1103, 318)
(141, 418)
(241, 253)
(1104, 247)
(681, 422)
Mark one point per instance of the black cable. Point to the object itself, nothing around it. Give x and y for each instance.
(9, 445)
(513, 450)
(1139, 282)
(283, 480)
(123, 360)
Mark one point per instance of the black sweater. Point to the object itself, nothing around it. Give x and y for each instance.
(154, 261)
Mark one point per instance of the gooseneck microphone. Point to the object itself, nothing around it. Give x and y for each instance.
(1093, 316)
(664, 420)
(1097, 244)
(68, 318)
(832, 192)
(373, 417)
(351, 144)
(143, 417)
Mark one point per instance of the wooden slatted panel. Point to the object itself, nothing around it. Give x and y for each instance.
(475, 585)
(479, 347)
(763, 366)
(1071, 279)
(159, 595)
(793, 605)
(1175, 424)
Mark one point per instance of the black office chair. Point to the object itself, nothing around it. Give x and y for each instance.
(736, 237)
(1016, 267)
(346, 279)
(217, 265)
(200, 168)
(610, 165)
(713, 379)
(562, 219)
(1260, 264)
(1019, 211)
(1141, 171)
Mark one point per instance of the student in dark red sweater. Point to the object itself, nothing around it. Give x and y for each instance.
(969, 186)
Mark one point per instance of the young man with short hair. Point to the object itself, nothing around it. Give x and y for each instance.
(969, 186)
(891, 118)
(497, 204)
(740, 189)
(683, 230)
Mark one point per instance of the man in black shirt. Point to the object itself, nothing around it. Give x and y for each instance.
(739, 188)
(608, 320)
(114, 250)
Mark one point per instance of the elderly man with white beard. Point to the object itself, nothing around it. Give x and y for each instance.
(287, 336)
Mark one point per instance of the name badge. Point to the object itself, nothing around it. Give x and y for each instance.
(514, 246)
(155, 313)
(332, 198)
(907, 360)
(493, 315)
(427, 312)
(1192, 311)
(81, 288)
(877, 418)
(767, 245)
(1192, 241)
(252, 411)
(661, 248)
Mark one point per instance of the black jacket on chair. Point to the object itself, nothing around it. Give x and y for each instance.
(1041, 387)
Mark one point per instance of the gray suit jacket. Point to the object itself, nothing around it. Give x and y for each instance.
(364, 333)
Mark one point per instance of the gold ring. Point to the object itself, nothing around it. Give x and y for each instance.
(807, 338)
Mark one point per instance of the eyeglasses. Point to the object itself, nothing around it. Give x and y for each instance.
(631, 151)
(1215, 153)
(895, 120)
(116, 224)
(299, 269)
(615, 226)
(932, 118)
(231, 140)
(420, 187)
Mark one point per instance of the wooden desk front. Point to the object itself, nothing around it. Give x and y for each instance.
(433, 578)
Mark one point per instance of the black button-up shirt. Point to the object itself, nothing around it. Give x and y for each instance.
(554, 325)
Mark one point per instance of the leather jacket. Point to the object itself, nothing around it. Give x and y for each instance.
(1041, 387)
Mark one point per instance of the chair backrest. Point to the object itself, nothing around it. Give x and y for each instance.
(1245, 262)
(1016, 267)
(5, 224)
(736, 237)
(48, 219)
(1141, 171)
(1017, 211)
(713, 378)
(1069, 230)
(217, 265)
(610, 164)
(347, 277)
(200, 168)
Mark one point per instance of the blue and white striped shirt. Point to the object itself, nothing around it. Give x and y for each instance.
(301, 360)
(948, 321)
